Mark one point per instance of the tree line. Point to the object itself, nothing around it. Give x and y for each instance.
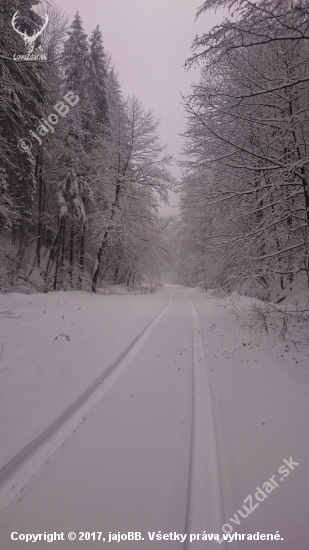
(82, 169)
(245, 191)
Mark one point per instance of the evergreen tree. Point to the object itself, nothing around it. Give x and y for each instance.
(98, 76)
(76, 58)
(76, 138)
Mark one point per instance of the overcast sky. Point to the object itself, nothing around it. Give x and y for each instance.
(149, 41)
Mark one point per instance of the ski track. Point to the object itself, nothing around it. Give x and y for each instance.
(205, 501)
(15, 475)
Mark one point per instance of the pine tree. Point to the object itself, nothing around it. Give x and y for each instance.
(98, 76)
(76, 58)
(76, 139)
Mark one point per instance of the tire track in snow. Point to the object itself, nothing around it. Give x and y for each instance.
(17, 473)
(205, 501)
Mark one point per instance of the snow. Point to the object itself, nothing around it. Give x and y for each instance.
(260, 387)
(127, 466)
(54, 346)
(205, 483)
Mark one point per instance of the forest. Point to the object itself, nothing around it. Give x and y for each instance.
(82, 169)
(245, 194)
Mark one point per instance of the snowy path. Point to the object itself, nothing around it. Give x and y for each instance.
(145, 456)
(127, 466)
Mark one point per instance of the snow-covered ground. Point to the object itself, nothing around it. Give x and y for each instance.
(52, 347)
(133, 464)
(260, 387)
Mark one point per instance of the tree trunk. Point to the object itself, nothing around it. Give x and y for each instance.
(82, 257)
(71, 247)
(40, 218)
(104, 241)
(116, 274)
(98, 262)
(62, 243)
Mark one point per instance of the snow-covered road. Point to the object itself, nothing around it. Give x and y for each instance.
(127, 466)
(155, 452)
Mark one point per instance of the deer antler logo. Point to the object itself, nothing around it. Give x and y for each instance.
(29, 40)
